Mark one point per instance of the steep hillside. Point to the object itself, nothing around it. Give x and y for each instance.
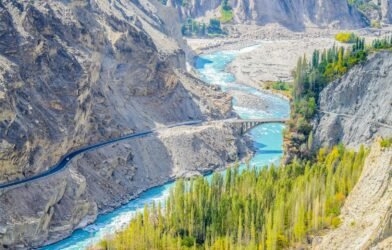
(357, 108)
(367, 213)
(375, 10)
(386, 10)
(293, 14)
(76, 72)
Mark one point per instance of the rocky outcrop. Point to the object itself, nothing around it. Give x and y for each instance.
(367, 213)
(77, 72)
(386, 11)
(376, 10)
(294, 14)
(357, 108)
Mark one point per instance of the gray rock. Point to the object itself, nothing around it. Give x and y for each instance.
(386, 11)
(358, 106)
(77, 72)
(293, 14)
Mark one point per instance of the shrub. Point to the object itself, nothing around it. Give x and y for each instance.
(375, 24)
(386, 143)
(346, 37)
(226, 15)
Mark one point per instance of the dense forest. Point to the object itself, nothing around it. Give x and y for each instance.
(310, 77)
(265, 208)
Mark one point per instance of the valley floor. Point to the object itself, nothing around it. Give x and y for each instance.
(277, 49)
(366, 215)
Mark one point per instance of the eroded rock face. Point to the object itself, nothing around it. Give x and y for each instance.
(77, 72)
(358, 106)
(367, 214)
(386, 11)
(358, 110)
(378, 10)
(293, 14)
(101, 180)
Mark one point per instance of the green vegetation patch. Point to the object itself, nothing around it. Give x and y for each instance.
(226, 12)
(214, 27)
(386, 143)
(269, 208)
(310, 78)
(375, 24)
(194, 28)
(346, 37)
(279, 87)
(364, 5)
(226, 15)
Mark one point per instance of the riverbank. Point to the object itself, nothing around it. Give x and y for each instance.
(277, 50)
(178, 152)
(197, 149)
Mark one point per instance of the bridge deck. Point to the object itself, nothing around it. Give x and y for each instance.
(266, 120)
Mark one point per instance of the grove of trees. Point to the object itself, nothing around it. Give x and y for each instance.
(310, 77)
(274, 207)
(267, 208)
(194, 28)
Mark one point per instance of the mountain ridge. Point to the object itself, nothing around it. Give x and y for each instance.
(292, 14)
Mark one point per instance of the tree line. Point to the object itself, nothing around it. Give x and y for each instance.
(267, 208)
(310, 77)
(192, 27)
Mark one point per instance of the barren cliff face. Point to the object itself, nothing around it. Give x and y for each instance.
(366, 215)
(358, 106)
(76, 72)
(81, 71)
(377, 10)
(356, 110)
(386, 10)
(291, 13)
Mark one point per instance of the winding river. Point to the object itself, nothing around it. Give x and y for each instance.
(267, 141)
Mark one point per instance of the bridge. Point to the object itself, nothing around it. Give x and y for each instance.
(248, 124)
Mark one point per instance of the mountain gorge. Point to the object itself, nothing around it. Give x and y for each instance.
(75, 73)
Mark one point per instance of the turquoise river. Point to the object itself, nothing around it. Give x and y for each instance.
(267, 142)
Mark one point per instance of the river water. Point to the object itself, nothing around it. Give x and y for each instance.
(267, 141)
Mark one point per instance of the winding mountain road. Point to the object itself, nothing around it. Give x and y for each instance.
(353, 116)
(64, 161)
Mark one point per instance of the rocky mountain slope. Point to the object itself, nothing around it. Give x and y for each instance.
(76, 72)
(377, 10)
(386, 10)
(294, 14)
(357, 108)
(367, 213)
